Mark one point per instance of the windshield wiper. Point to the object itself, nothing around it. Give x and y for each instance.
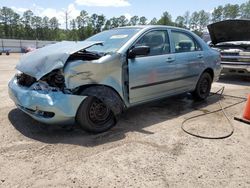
(96, 44)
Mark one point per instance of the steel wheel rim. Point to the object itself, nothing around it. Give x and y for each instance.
(99, 113)
(204, 87)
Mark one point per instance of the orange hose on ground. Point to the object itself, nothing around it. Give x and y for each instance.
(246, 114)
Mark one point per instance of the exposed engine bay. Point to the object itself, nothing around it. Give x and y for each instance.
(85, 55)
(234, 52)
(234, 46)
(53, 81)
(25, 80)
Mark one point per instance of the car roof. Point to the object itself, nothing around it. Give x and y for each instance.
(151, 27)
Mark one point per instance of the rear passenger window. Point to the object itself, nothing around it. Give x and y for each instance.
(184, 43)
(158, 41)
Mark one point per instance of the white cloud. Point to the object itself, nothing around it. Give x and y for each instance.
(61, 14)
(127, 15)
(73, 12)
(103, 3)
(19, 10)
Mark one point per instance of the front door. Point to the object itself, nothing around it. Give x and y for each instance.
(152, 76)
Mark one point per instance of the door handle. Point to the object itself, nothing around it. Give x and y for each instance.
(170, 59)
(200, 56)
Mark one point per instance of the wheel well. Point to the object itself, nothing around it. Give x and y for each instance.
(210, 71)
(106, 94)
(80, 89)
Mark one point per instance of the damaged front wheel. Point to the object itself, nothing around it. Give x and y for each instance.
(94, 116)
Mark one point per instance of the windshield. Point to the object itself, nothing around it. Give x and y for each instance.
(112, 40)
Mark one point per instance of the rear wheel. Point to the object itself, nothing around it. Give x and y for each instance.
(94, 116)
(203, 87)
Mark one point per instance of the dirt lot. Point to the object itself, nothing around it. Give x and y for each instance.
(146, 149)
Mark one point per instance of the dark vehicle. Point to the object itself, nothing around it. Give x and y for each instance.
(232, 39)
(6, 51)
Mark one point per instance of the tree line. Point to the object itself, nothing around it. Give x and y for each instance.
(31, 26)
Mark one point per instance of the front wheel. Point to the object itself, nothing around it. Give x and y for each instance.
(203, 87)
(94, 116)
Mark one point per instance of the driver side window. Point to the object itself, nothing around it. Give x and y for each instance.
(157, 41)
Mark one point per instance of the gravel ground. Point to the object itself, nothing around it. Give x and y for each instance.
(146, 149)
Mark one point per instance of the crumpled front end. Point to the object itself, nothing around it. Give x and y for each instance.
(45, 104)
(52, 92)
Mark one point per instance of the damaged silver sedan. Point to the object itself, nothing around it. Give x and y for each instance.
(94, 81)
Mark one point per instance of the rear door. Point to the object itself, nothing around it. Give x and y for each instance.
(150, 76)
(189, 59)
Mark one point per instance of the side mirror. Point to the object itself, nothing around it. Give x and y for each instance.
(138, 51)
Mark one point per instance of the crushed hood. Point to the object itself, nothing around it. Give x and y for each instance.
(229, 30)
(44, 60)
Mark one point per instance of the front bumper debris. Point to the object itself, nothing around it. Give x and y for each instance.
(49, 107)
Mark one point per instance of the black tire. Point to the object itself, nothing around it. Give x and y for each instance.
(203, 87)
(7, 53)
(94, 116)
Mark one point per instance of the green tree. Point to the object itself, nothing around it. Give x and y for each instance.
(245, 10)
(73, 31)
(199, 21)
(107, 25)
(122, 21)
(204, 18)
(45, 28)
(27, 22)
(114, 22)
(217, 14)
(100, 23)
(134, 20)
(143, 20)
(82, 21)
(15, 25)
(30, 26)
(54, 28)
(9, 19)
(54, 23)
(153, 21)
(97, 22)
(37, 26)
(187, 19)
(194, 21)
(180, 22)
(166, 19)
(231, 11)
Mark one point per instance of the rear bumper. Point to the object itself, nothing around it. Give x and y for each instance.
(235, 69)
(45, 106)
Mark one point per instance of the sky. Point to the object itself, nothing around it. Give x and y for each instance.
(110, 8)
